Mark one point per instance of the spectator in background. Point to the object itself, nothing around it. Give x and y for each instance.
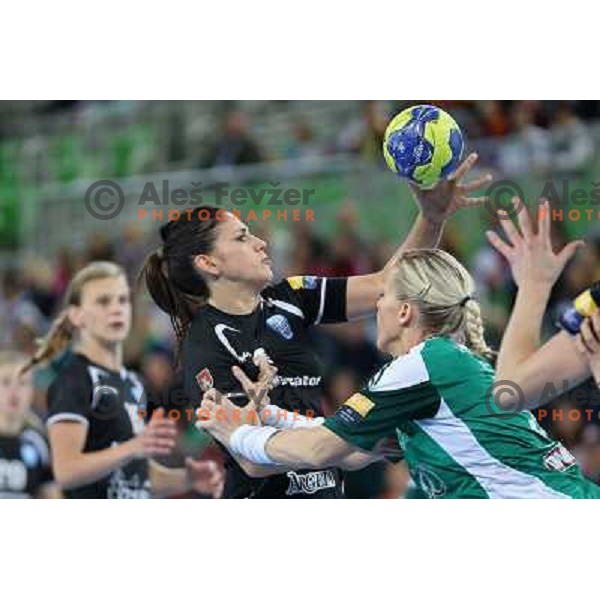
(364, 136)
(529, 148)
(66, 266)
(492, 118)
(38, 281)
(572, 145)
(495, 290)
(131, 250)
(18, 314)
(235, 145)
(100, 248)
(302, 143)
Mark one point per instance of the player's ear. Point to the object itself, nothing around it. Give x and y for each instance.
(75, 316)
(405, 314)
(207, 264)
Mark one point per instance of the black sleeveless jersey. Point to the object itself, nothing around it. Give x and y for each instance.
(279, 326)
(110, 404)
(24, 464)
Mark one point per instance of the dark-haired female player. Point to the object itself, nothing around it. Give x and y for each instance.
(212, 276)
(99, 441)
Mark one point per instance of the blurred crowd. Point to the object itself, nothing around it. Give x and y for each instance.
(538, 137)
(61, 141)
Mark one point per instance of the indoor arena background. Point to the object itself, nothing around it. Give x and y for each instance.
(52, 152)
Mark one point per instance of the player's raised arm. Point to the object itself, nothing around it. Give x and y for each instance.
(535, 268)
(436, 205)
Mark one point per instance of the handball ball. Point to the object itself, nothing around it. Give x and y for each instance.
(423, 144)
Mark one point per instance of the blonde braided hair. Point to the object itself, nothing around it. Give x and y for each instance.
(442, 290)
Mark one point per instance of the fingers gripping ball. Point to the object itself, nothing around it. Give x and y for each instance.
(423, 144)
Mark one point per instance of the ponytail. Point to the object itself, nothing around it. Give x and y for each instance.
(58, 338)
(180, 307)
(173, 281)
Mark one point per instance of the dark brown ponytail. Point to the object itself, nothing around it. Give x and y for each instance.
(171, 277)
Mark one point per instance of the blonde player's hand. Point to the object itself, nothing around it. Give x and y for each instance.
(452, 193)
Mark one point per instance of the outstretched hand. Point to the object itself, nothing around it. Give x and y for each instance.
(450, 194)
(529, 253)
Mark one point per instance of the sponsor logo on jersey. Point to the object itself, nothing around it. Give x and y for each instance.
(220, 333)
(205, 380)
(361, 404)
(429, 481)
(309, 483)
(13, 475)
(300, 381)
(30, 456)
(280, 325)
(120, 487)
(306, 282)
(559, 459)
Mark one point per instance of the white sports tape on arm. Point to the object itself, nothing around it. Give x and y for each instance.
(249, 441)
(278, 417)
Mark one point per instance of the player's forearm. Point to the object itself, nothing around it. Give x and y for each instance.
(539, 372)
(304, 449)
(424, 233)
(358, 460)
(522, 335)
(87, 467)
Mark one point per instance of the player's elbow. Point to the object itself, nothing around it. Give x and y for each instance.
(66, 474)
(253, 470)
(64, 478)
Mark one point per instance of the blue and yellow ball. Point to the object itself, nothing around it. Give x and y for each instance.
(423, 144)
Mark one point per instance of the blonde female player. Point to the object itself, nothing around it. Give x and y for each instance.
(100, 444)
(24, 454)
(434, 394)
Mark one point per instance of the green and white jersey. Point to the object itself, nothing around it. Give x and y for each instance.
(456, 443)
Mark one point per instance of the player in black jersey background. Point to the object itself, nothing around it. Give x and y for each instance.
(100, 444)
(24, 453)
(213, 277)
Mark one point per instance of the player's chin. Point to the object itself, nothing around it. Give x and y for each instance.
(382, 343)
(267, 273)
(116, 335)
